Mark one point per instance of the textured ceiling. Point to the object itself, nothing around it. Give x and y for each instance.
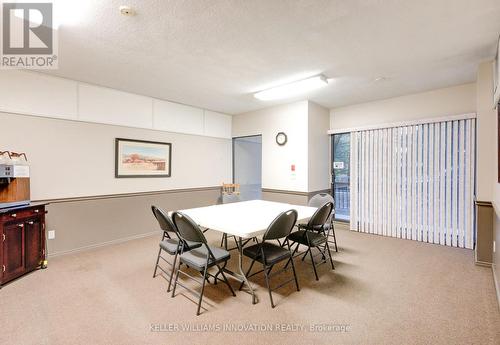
(215, 53)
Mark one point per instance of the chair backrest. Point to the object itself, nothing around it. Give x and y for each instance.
(230, 188)
(164, 220)
(188, 229)
(281, 226)
(320, 199)
(321, 216)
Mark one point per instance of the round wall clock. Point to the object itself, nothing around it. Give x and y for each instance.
(281, 138)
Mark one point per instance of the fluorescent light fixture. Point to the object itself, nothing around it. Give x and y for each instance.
(292, 89)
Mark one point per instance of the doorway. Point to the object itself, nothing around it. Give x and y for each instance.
(247, 166)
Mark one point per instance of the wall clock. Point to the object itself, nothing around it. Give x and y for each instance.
(281, 138)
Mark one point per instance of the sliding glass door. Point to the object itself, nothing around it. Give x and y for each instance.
(416, 182)
(341, 175)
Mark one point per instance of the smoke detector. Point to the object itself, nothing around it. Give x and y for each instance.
(127, 11)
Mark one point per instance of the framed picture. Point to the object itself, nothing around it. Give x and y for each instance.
(140, 158)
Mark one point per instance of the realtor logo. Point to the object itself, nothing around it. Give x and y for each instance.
(28, 36)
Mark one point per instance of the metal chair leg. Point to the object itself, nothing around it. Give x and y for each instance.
(236, 242)
(305, 254)
(314, 264)
(202, 290)
(293, 253)
(334, 238)
(172, 273)
(246, 275)
(268, 286)
(329, 255)
(225, 280)
(295, 275)
(157, 261)
(216, 276)
(176, 279)
(325, 248)
(222, 240)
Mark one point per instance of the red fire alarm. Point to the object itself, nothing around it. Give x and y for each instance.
(293, 167)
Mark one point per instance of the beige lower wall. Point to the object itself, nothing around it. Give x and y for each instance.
(496, 254)
(84, 224)
(92, 222)
(295, 198)
(484, 233)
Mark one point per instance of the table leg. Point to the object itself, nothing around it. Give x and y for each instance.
(240, 267)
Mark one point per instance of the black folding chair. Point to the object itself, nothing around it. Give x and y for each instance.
(319, 200)
(201, 258)
(269, 254)
(313, 235)
(168, 244)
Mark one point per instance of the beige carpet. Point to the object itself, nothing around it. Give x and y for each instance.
(383, 291)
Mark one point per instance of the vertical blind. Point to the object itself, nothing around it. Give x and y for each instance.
(415, 182)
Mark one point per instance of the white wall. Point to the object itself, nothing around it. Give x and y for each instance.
(36, 94)
(486, 134)
(277, 160)
(488, 156)
(319, 148)
(454, 100)
(68, 128)
(76, 159)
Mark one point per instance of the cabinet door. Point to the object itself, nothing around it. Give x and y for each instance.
(33, 243)
(13, 251)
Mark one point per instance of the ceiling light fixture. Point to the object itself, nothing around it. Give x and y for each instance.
(292, 89)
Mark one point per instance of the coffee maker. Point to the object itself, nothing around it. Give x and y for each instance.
(14, 179)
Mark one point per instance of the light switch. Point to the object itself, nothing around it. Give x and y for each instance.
(52, 234)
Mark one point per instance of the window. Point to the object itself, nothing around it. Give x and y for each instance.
(341, 175)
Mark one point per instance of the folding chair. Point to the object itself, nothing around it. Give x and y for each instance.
(171, 246)
(200, 259)
(270, 254)
(319, 200)
(313, 235)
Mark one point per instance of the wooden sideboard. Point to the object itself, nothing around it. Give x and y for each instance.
(22, 237)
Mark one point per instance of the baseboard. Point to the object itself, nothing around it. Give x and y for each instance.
(483, 264)
(479, 262)
(497, 284)
(282, 191)
(108, 243)
(341, 225)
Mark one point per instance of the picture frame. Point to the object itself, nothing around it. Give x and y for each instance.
(142, 158)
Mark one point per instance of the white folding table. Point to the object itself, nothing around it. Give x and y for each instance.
(245, 220)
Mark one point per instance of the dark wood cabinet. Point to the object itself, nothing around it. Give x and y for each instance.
(23, 241)
(33, 249)
(13, 256)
